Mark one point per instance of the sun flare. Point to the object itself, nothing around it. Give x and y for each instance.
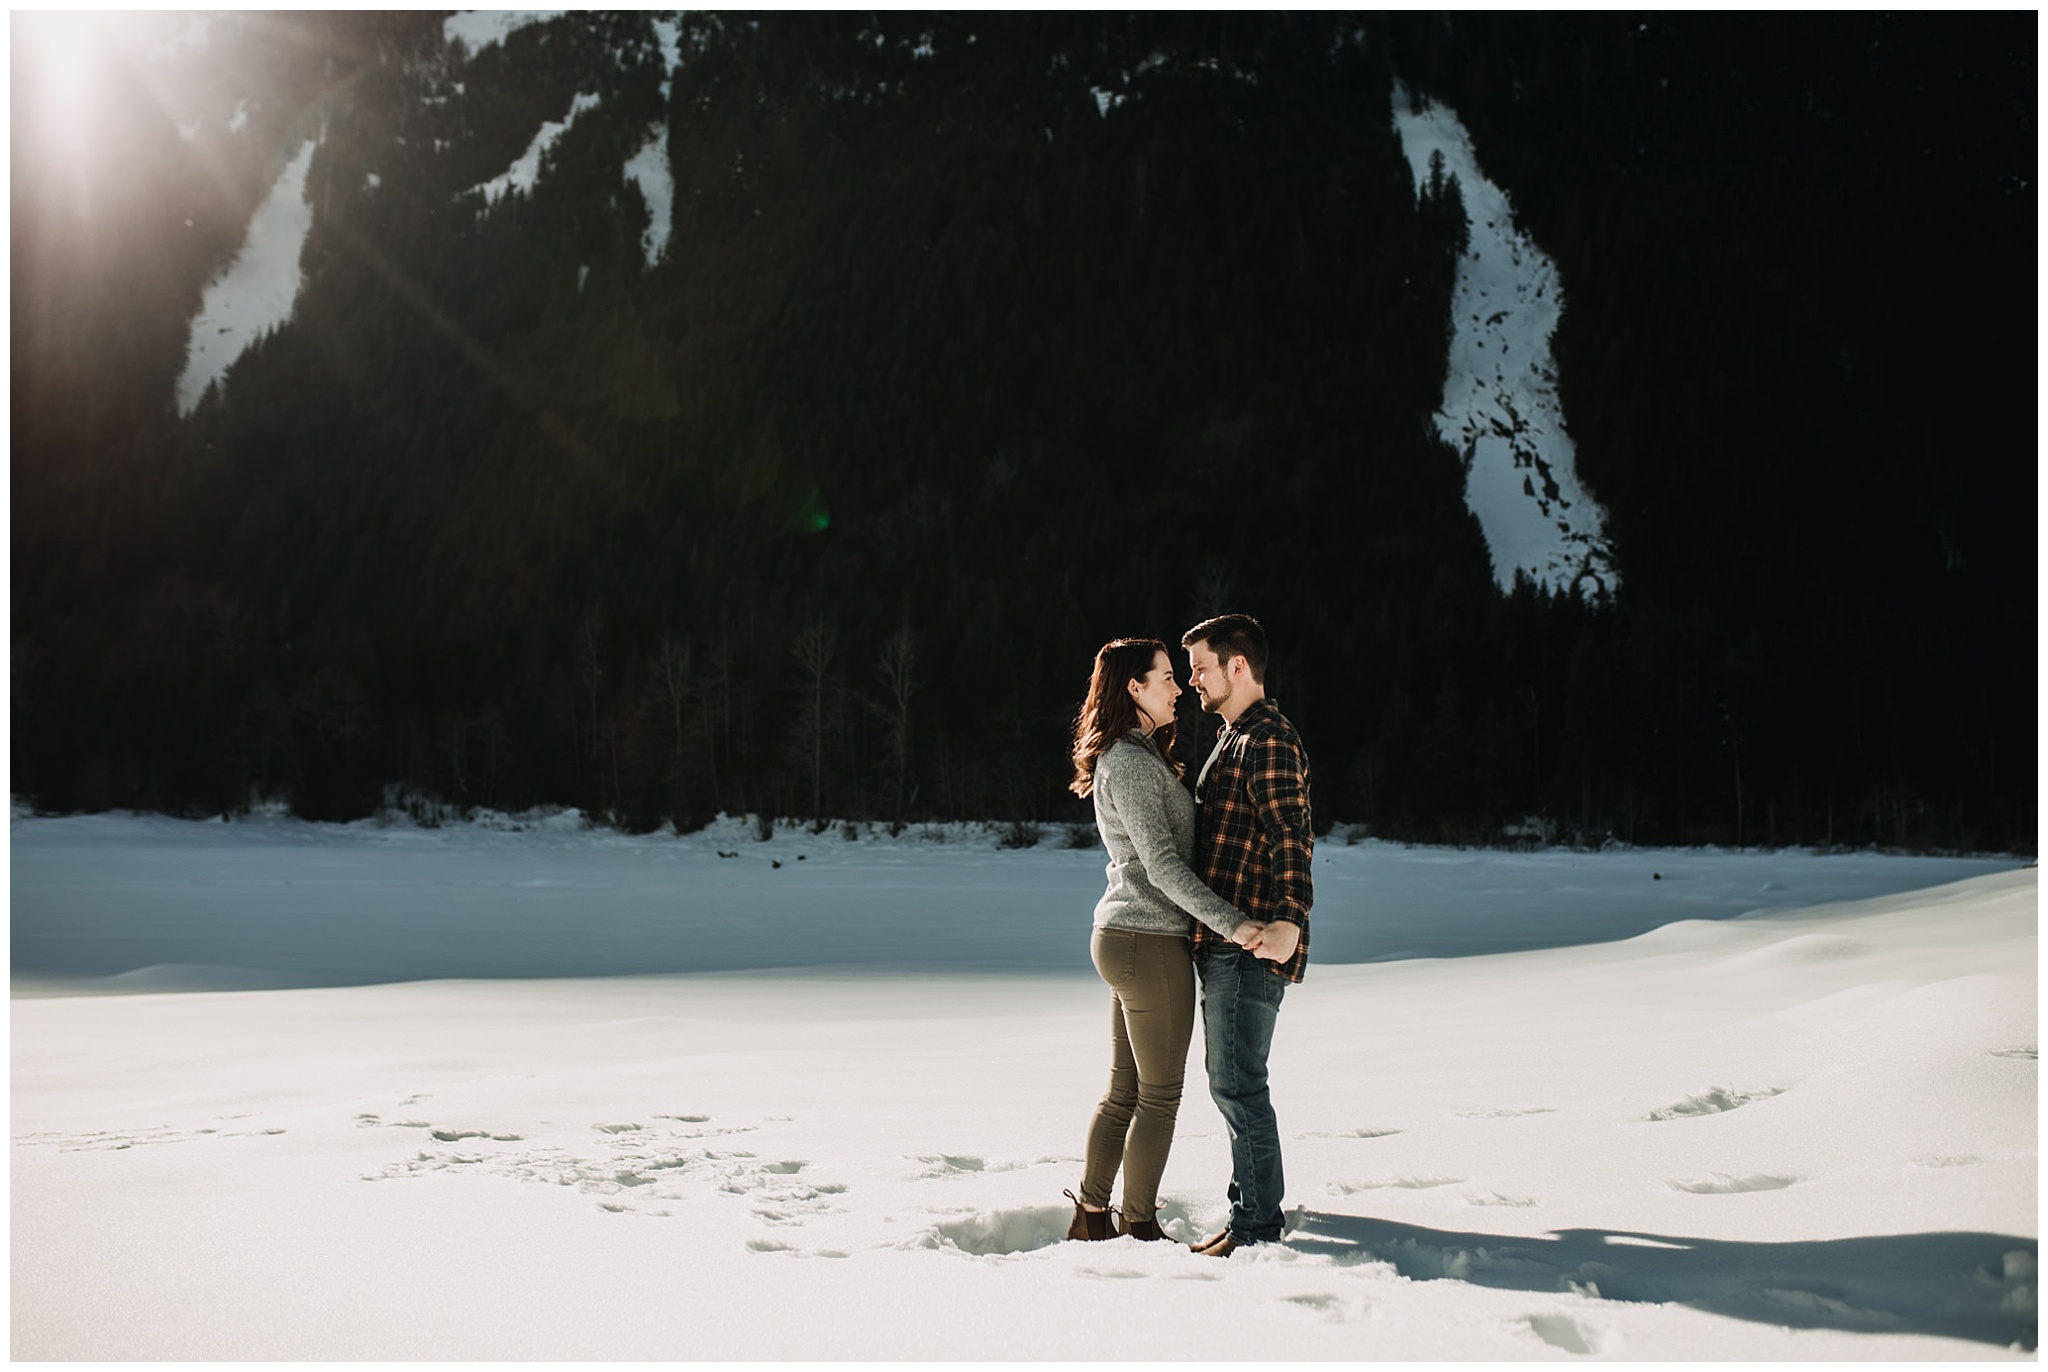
(62, 66)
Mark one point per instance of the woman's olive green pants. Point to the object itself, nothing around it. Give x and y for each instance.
(1151, 1019)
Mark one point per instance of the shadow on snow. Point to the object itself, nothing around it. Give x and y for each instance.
(1979, 1287)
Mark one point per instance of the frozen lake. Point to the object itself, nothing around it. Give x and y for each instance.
(1802, 1135)
(275, 902)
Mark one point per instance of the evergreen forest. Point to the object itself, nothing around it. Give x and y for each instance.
(979, 339)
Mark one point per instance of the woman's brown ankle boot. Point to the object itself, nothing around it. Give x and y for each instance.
(1088, 1224)
(1147, 1230)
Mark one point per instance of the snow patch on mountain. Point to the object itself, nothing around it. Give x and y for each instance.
(649, 170)
(478, 29)
(1500, 407)
(257, 291)
(670, 35)
(522, 174)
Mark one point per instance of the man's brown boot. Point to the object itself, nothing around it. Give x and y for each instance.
(1147, 1230)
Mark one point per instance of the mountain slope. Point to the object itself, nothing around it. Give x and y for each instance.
(968, 342)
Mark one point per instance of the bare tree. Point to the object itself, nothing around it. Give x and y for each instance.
(815, 645)
(897, 668)
(493, 736)
(589, 662)
(338, 708)
(715, 710)
(671, 668)
(455, 727)
(1216, 591)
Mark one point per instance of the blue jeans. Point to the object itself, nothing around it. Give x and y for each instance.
(1240, 1005)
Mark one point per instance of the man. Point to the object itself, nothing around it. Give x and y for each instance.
(1253, 845)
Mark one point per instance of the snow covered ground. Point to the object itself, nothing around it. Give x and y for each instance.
(837, 1125)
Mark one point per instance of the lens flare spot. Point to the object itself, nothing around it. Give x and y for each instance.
(813, 517)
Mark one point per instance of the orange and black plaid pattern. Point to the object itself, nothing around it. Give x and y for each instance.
(1254, 838)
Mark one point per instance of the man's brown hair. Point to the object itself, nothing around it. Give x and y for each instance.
(1230, 636)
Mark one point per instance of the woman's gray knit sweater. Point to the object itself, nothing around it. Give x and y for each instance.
(1147, 820)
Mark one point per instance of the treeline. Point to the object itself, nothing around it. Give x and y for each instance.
(948, 374)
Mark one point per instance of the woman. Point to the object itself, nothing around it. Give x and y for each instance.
(1123, 757)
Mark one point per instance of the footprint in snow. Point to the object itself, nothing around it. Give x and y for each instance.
(1562, 1331)
(951, 1164)
(1335, 1308)
(937, 1165)
(778, 1246)
(458, 1135)
(1498, 1114)
(1496, 1198)
(1804, 1303)
(2029, 1054)
(652, 1166)
(1721, 1184)
(997, 1233)
(1352, 1188)
(114, 1140)
(1715, 1100)
(1361, 1133)
(1026, 1229)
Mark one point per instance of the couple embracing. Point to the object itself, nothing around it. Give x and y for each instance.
(1211, 888)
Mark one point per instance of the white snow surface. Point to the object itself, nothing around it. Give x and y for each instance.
(257, 291)
(478, 29)
(649, 170)
(524, 172)
(1794, 1134)
(1500, 410)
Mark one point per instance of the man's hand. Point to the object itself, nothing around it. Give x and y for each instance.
(1247, 934)
(1277, 941)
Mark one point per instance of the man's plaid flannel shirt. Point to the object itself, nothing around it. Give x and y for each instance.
(1254, 839)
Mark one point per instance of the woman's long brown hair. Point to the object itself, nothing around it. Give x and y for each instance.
(1109, 711)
